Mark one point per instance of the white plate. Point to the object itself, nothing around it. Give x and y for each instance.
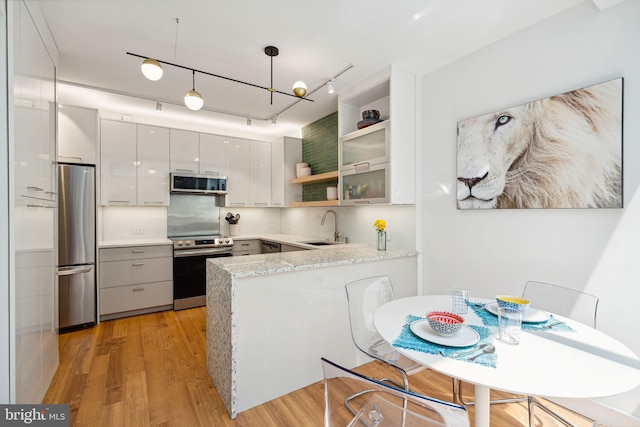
(531, 315)
(463, 338)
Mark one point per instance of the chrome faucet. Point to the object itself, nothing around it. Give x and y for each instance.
(336, 234)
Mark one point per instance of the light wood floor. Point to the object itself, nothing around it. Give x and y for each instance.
(150, 370)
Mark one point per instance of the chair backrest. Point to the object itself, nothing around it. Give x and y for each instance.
(576, 305)
(373, 403)
(363, 298)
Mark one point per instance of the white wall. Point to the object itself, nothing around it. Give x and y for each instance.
(498, 251)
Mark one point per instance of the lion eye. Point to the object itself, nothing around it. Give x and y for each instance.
(502, 120)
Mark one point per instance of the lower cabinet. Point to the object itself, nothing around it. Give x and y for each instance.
(246, 247)
(135, 279)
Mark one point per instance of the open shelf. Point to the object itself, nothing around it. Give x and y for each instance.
(318, 203)
(321, 177)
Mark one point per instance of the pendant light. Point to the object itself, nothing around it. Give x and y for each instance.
(299, 89)
(151, 69)
(192, 99)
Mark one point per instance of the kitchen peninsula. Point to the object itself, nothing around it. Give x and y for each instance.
(271, 317)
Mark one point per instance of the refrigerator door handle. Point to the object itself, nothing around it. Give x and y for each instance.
(67, 271)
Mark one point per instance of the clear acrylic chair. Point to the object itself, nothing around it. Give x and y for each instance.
(363, 298)
(576, 305)
(381, 405)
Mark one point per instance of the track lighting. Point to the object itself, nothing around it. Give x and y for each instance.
(273, 120)
(299, 89)
(158, 106)
(248, 122)
(192, 99)
(330, 87)
(151, 69)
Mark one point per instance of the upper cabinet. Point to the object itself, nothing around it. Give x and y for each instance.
(118, 163)
(184, 151)
(213, 154)
(77, 134)
(377, 162)
(199, 153)
(152, 163)
(260, 174)
(238, 172)
(285, 153)
(134, 164)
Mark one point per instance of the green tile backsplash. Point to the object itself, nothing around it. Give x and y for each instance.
(320, 150)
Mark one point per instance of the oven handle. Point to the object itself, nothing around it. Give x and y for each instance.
(198, 252)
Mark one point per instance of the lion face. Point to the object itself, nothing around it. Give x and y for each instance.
(487, 147)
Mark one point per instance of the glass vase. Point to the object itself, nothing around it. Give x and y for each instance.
(382, 240)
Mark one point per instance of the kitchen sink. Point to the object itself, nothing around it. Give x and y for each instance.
(320, 243)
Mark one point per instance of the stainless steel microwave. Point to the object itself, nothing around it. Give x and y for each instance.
(198, 184)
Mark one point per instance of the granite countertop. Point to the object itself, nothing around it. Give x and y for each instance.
(328, 256)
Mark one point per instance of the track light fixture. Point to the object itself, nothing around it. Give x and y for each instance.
(152, 69)
(158, 106)
(330, 87)
(248, 122)
(273, 120)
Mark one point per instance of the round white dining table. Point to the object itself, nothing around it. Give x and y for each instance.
(584, 363)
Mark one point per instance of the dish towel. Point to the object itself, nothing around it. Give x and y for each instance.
(491, 320)
(411, 342)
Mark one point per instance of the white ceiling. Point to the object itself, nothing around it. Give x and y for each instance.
(227, 37)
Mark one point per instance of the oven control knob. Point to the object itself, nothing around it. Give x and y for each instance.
(179, 242)
(188, 242)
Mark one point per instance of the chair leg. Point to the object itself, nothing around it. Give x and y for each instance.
(532, 403)
(457, 396)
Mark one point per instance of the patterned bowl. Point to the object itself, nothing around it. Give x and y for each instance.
(444, 323)
(516, 303)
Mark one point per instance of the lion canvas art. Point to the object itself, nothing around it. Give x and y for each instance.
(564, 151)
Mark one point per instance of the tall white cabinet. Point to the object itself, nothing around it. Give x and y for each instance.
(33, 317)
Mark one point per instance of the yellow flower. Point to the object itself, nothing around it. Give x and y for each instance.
(380, 224)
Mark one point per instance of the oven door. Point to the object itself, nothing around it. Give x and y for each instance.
(190, 276)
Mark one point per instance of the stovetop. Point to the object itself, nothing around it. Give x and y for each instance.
(192, 242)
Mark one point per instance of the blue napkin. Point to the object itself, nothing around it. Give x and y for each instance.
(490, 319)
(408, 340)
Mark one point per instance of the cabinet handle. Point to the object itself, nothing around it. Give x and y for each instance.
(362, 167)
(238, 204)
(72, 157)
(260, 204)
(214, 173)
(126, 202)
(137, 289)
(276, 203)
(36, 206)
(244, 244)
(153, 203)
(184, 170)
(35, 188)
(137, 251)
(137, 264)
(362, 202)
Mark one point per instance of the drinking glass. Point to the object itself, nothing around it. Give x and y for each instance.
(459, 299)
(509, 325)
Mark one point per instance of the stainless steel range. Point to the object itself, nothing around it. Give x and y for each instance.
(193, 224)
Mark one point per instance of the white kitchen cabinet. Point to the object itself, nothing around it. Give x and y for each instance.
(246, 247)
(238, 172)
(285, 153)
(32, 135)
(184, 151)
(77, 134)
(388, 147)
(213, 154)
(260, 174)
(152, 166)
(118, 163)
(134, 280)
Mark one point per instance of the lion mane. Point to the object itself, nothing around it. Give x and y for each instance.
(559, 152)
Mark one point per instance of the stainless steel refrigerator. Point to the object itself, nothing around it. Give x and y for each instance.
(76, 245)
